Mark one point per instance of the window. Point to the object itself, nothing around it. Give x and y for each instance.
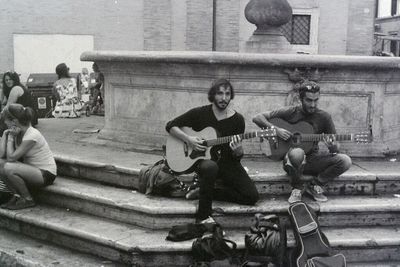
(387, 8)
(297, 30)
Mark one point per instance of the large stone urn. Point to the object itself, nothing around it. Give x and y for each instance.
(268, 16)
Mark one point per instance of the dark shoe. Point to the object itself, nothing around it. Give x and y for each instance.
(5, 197)
(12, 200)
(21, 203)
(193, 194)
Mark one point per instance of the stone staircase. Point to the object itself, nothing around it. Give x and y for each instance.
(93, 214)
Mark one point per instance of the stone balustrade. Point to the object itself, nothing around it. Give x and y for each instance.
(145, 89)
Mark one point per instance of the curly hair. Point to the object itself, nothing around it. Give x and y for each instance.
(308, 86)
(216, 85)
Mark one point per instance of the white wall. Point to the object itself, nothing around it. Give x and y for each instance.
(41, 53)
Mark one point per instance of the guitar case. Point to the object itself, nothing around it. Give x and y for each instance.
(312, 246)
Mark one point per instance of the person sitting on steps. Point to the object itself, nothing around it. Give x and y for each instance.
(324, 167)
(22, 142)
(225, 165)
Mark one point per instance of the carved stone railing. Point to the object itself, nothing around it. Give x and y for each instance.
(143, 90)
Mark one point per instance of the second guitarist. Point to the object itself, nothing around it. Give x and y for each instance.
(324, 167)
(225, 166)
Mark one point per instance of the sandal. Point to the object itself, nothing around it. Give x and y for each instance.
(21, 203)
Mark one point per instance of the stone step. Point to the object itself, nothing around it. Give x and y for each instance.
(137, 246)
(269, 177)
(153, 212)
(375, 264)
(20, 250)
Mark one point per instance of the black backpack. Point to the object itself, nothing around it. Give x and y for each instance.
(188, 231)
(265, 241)
(214, 247)
(312, 246)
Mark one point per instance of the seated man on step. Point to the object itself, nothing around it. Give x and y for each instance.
(324, 167)
(225, 163)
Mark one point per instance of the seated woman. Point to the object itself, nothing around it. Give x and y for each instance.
(15, 92)
(23, 142)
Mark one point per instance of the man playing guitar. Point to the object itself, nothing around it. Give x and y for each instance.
(225, 163)
(324, 167)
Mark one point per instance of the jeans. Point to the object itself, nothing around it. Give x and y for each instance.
(325, 167)
(236, 185)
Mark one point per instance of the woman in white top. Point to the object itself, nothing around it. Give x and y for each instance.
(22, 141)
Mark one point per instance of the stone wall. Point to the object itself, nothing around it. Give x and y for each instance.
(343, 26)
(357, 91)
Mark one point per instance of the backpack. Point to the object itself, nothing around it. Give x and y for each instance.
(214, 247)
(265, 241)
(158, 179)
(312, 246)
(187, 231)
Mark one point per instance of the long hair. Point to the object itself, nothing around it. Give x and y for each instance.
(216, 85)
(13, 76)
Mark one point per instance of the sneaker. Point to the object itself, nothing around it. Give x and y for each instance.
(21, 203)
(295, 196)
(209, 220)
(316, 192)
(193, 194)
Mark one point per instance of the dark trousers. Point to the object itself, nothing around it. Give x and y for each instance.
(325, 167)
(236, 185)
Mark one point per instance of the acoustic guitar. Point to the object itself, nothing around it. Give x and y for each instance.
(181, 157)
(303, 137)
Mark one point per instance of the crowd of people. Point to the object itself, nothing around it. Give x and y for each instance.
(26, 161)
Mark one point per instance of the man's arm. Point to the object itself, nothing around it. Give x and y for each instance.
(193, 141)
(187, 119)
(262, 121)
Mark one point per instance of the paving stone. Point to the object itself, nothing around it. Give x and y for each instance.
(20, 250)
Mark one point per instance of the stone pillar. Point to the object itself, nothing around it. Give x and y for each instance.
(268, 16)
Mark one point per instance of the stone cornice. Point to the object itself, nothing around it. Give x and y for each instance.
(229, 58)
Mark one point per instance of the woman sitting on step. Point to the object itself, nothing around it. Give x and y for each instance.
(26, 159)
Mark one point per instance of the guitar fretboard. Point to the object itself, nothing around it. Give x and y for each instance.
(320, 137)
(227, 139)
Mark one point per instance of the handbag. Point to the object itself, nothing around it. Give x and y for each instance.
(158, 179)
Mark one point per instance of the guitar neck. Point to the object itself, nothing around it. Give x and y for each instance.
(227, 139)
(320, 137)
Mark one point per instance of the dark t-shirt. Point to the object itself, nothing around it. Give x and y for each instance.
(320, 120)
(202, 117)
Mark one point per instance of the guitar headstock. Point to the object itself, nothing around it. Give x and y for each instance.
(362, 137)
(267, 133)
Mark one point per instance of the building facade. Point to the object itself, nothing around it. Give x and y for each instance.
(387, 28)
(39, 34)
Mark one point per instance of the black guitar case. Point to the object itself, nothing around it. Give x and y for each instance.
(312, 247)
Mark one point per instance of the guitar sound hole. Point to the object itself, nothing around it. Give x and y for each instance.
(196, 154)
